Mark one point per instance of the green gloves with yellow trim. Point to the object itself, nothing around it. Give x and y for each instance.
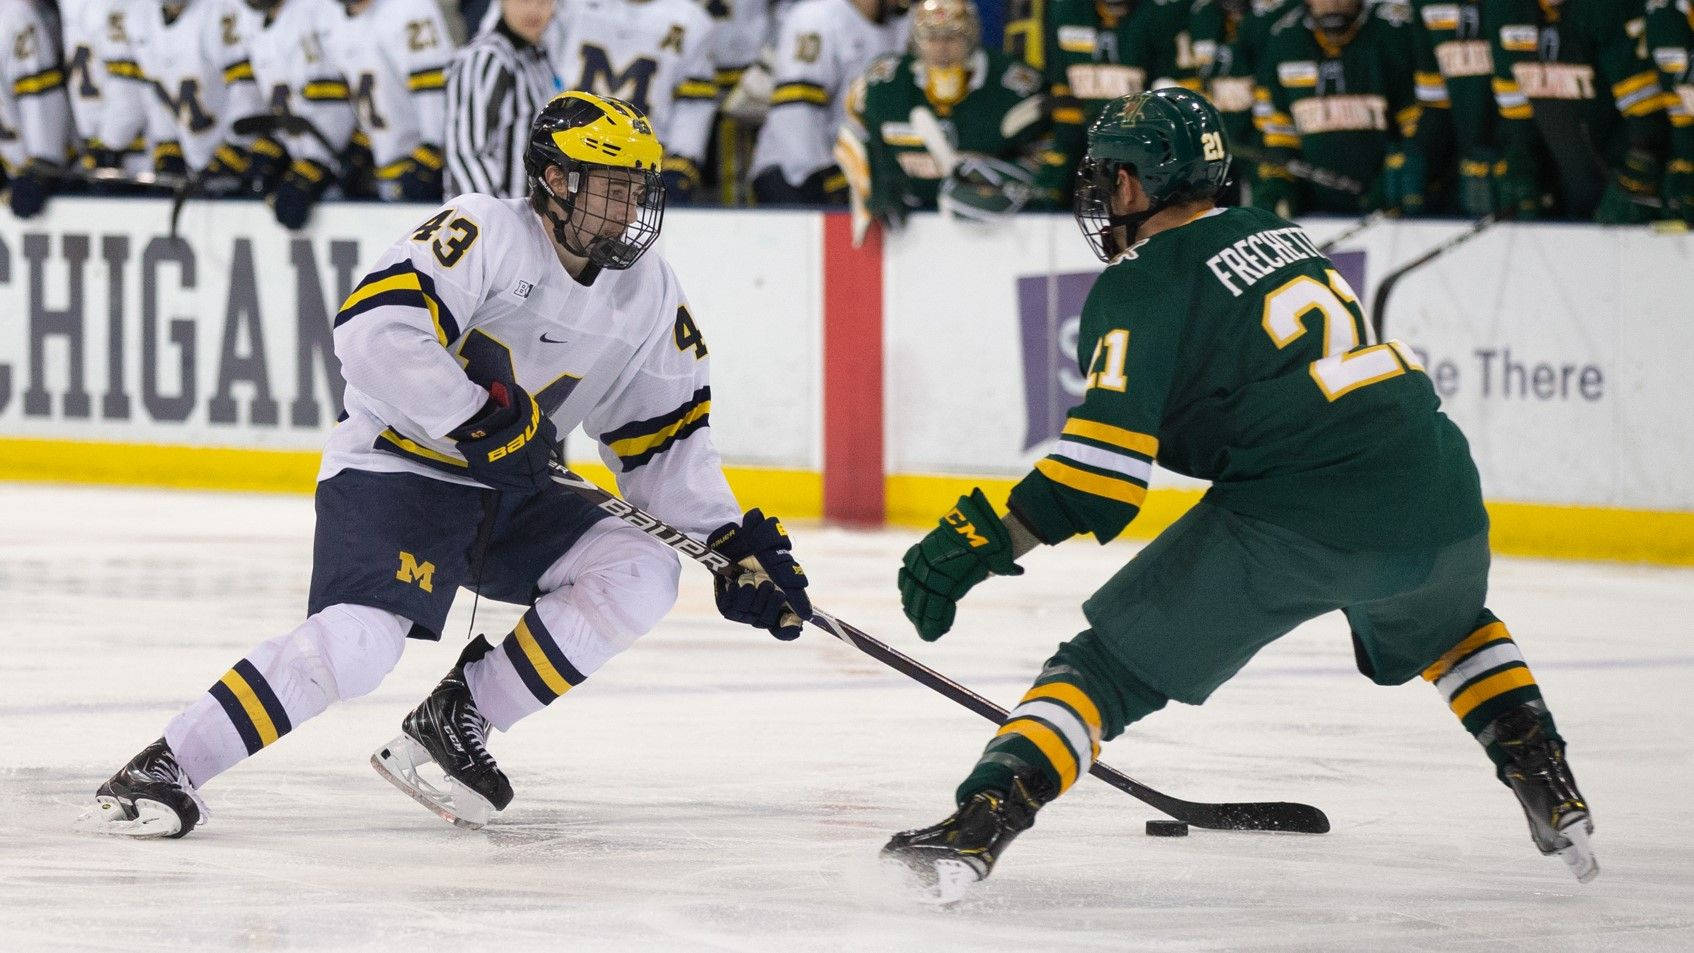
(969, 544)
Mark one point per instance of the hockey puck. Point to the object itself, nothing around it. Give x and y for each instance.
(1167, 829)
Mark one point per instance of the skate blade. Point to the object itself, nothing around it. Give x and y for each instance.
(398, 762)
(1579, 855)
(152, 820)
(938, 883)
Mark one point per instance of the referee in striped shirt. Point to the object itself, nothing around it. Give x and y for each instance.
(495, 86)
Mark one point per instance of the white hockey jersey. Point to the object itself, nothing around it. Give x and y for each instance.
(654, 54)
(476, 293)
(824, 46)
(96, 32)
(394, 56)
(196, 66)
(744, 26)
(295, 74)
(35, 112)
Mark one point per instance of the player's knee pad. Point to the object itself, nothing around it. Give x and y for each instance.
(355, 647)
(622, 582)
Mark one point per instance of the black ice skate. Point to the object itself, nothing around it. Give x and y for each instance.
(447, 730)
(1538, 774)
(941, 862)
(148, 797)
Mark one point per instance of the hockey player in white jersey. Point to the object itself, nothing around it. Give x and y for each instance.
(823, 47)
(35, 113)
(476, 339)
(394, 55)
(295, 75)
(656, 55)
(192, 55)
(96, 32)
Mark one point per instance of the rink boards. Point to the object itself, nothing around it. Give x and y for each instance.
(857, 384)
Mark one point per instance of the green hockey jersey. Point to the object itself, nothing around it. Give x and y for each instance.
(1670, 42)
(1339, 108)
(884, 156)
(1580, 70)
(1231, 350)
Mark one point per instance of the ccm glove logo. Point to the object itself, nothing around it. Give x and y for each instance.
(964, 527)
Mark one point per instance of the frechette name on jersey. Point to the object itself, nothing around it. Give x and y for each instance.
(638, 442)
(401, 285)
(1256, 256)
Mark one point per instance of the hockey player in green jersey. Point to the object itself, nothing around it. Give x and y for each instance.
(1221, 343)
(1670, 40)
(1598, 109)
(1092, 52)
(1227, 36)
(1455, 70)
(992, 104)
(1336, 89)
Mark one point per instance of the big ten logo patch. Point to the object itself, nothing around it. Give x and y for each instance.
(420, 574)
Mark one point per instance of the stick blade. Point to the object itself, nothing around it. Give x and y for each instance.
(1287, 816)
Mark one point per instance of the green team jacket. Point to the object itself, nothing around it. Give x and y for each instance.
(1339, 109)
(1579, 69)
(1089, 58)
(1670, 43)
(1002, 115)
(1229, 349)
(1455, 50)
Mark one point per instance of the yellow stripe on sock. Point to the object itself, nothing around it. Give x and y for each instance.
(538, 659)
(250, 703)
(1456, 654)
(1052, 747)
(1466, 701)
(1075, 699)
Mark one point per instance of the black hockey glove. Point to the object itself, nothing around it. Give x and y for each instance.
(969, 543)
(770, 593)
(421, 179)
(299, 190)
(509, 442)
(30, 189)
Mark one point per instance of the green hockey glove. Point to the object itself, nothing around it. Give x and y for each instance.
(968, 545)
(1273, 190)
(1405, 175)
(1635, 181)
(1476, 181)
(1516, 193)
(1678, 190)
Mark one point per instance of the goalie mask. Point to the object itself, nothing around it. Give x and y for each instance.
(945, 33)
(612, 200)
(1171, 140)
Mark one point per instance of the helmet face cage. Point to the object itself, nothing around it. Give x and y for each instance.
(609, 212)
(1096, 180)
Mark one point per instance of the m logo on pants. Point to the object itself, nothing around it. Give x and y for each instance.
(411, 571)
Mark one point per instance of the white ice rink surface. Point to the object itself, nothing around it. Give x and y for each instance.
(714, 789)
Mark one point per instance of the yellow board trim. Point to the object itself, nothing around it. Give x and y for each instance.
(1466, 701)
(1076, 700)
(1472, 642)
(1093, 484)
(538, 659)
(1147, 446)
(1052, 747)
(250, 704)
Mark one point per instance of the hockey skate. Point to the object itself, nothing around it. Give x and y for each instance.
(148, 797)
(940, 863)
(1559, 821)
(448, 731)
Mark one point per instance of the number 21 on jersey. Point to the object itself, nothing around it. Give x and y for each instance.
(1342, 369)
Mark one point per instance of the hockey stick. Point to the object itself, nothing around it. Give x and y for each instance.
(1367, 222)
(1301, 169)
(1379, 305)
(940, 148)
(263, 124)
(1245, 816)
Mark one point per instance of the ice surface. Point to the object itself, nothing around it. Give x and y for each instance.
(714, 789)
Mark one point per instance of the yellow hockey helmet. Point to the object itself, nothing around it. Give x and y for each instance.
(580, 133)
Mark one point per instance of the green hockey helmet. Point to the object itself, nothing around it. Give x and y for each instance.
(1173, 142)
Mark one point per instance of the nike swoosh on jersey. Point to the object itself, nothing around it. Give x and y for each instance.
(549, 340)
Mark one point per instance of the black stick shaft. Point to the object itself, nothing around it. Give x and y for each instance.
(1379, 306)
(1272, 815)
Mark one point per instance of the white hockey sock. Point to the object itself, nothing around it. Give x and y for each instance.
(609, 590)
(340, 652)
